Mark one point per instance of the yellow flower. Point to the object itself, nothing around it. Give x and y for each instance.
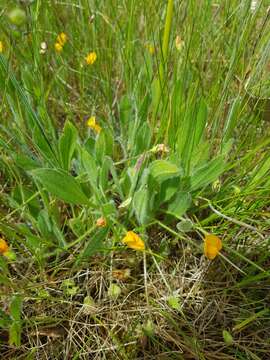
(101, 222)
(1, 46)
(61, 38)
(58, 47)
(212, 246)
(133, 241)
(3, 246)
(91, 122)
(91, 58)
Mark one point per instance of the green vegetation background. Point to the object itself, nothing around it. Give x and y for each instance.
(180, 91)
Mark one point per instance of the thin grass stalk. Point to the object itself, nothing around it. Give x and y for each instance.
(164, 55)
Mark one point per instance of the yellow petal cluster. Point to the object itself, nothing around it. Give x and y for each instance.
(60, 42)
(3, 246)
(58, 47)
(92, 124)
(1, 47)
(91, 58)
(133, 241)
(61, 38)
(212, 246)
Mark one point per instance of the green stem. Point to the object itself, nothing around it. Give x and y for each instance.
(166, 38)
(159, 83)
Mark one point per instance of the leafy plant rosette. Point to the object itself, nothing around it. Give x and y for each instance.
(95, 178)
(165, 188)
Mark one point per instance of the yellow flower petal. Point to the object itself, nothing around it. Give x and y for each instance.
(133, 241)
(97, 129)
(91, 121)
(62, 39)
(92, 124)
(58, 47)
(91, 58)
(3, 246)
(212, 246)
(1, 46)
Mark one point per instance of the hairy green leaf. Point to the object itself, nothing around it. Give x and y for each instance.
(67, 144)
(61, 185)
(162, 170)
(180, 204)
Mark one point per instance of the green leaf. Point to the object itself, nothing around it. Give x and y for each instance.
(125, 109)
(67, 144)
(228, 339)
(15, 328)
(231, 121)
(14, 91)
(109, 141)
(104, 174)
(44, 223)
(43, 146)
(34, 244)
(200, 156)
(25, 162)
(114, 291)
(168, 189)
(104, 145)
(185, 225)
(174, 303)
(200, 122)
(4, 281)
(162, 170)
(143, 198)
(22, 194)
(90, 144)
(109, 210)
(180, 204)
(58, 234)
(116, 180)
(141, 205)
(100, 146)
(61, 185)
(142, 139)
(89, 164)
(207, 173)
(95, 244)
(261, 172)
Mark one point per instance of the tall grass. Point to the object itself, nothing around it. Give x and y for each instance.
(183, 151)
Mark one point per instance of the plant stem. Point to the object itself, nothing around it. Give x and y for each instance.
(164, 55)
